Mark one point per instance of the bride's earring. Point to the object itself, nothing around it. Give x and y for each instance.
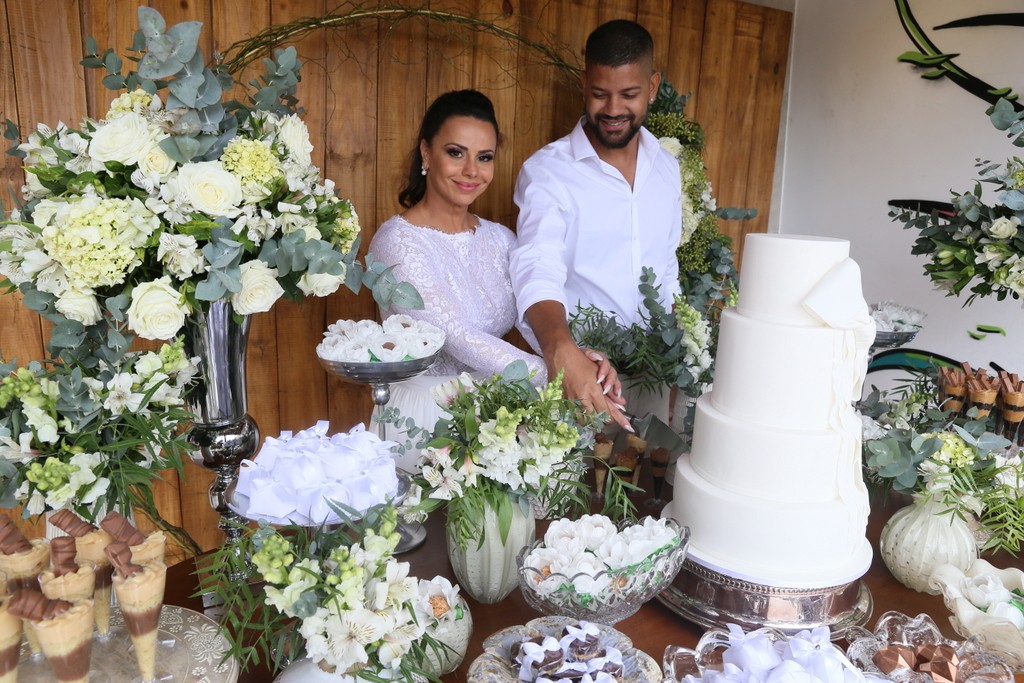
(423, 170)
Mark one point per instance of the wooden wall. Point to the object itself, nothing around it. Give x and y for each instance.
(364, 89)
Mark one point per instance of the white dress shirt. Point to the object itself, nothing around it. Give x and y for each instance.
(584, 235)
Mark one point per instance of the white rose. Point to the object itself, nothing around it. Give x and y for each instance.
(260, 289)
(123, 140)
(1003, 228)
(80, 305)
(320, 284)
(295, 136)
(157, 310)
(180, 254)
(985, 590)
(1004, 610)
(154, 162)
(672, 145)
(210, 188)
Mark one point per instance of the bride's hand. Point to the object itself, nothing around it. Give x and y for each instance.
(607, 377)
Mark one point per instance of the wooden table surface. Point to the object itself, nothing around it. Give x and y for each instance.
(652, 629)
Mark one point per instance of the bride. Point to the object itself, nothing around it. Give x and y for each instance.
(457, 260)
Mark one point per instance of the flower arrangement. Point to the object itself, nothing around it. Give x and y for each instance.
(665, 348)
(916, 448)
(504, 437)
(401, 337)
(91, 439)
(707, 269)
(890, 316)
(175, 199)
(338, 598)
(591, 568)
(977, 245)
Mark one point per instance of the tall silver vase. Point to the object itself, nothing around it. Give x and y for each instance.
(224, 433)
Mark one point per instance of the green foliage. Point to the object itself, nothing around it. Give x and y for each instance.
(651, 353)
(917, 448)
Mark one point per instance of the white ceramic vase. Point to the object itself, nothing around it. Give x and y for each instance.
(921, 537)
(486, 568)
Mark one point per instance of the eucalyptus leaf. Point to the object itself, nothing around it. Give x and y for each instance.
(151, 23)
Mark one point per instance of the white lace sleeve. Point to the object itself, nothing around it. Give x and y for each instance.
(463, 280)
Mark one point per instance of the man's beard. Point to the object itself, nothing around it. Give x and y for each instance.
(620, 140)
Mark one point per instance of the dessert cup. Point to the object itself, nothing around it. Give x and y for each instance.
(141, 597)
(66, 640)
(150, 550)
(10, 644)
(73, 587)
(22, 570)
(91, 549)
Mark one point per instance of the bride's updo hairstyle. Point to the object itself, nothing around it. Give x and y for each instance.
(470, 103)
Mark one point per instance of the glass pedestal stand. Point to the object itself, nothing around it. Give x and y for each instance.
(380, 377)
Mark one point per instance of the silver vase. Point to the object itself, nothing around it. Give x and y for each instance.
(224, 433)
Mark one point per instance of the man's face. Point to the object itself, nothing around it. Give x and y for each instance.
(616, 99)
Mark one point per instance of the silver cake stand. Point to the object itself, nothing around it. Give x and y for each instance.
(380, 377)
(713, 600)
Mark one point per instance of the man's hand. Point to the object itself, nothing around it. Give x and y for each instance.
(582, 367)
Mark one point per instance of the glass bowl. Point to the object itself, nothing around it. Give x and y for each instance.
(495, 664)
(621, 591)
(895, 628)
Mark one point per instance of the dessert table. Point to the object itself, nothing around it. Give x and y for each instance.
(653, 628)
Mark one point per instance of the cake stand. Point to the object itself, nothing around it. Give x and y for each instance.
(380, 377)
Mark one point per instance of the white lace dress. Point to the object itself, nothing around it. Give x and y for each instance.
(464, 281)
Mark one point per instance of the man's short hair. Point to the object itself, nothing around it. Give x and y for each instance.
(619, 42)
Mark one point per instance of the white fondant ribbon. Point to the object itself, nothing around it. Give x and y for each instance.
(838, 302)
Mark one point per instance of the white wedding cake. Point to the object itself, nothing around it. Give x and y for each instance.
(772, 488)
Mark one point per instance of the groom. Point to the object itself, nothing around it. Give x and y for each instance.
(595, 208)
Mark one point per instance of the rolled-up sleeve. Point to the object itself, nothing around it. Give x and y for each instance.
(537, 264)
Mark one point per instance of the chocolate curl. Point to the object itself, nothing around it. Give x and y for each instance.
(34, 606)
(120, 556)
(12, 541)
(71, 524)
(62, 555)
(118, 526)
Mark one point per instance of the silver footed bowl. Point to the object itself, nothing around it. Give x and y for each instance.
(609, 596)
(378, 373)
(885, 339)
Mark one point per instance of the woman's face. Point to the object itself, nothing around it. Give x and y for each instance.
(460, 160)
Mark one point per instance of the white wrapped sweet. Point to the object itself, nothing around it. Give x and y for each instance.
(807, 657)
(295, 475)
(364, 341)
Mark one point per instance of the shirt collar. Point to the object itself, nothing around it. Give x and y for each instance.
(582, 149)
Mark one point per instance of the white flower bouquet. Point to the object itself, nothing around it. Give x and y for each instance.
(338, 598)
(505, 440)
(592, 569)
(400, 337)
(90, 439)
(173, 200)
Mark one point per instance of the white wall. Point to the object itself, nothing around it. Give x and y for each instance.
(862, 128)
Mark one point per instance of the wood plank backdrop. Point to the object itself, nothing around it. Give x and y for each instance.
(364, 88)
